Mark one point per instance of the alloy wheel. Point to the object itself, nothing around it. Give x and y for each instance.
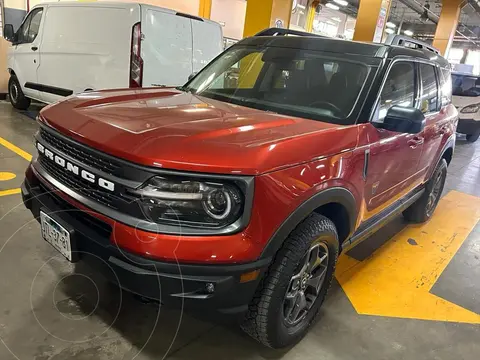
(306, 284)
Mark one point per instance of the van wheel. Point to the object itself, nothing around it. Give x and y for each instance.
(15, 93)
(290, 294)
(422, 210)
(473, 137)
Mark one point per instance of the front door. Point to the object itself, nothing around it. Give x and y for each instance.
(393, 157)
(27, 48)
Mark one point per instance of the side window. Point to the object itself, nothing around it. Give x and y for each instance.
(445, 87)
(29, 29)
(34, 25)
(429, 94)
(399, 89)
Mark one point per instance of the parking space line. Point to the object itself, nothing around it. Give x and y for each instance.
(10, 192)
(15, 149)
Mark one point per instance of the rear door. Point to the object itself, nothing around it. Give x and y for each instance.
(207, 42)
(166, 48)
(26, 50)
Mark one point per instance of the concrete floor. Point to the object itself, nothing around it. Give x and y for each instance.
(52, 310)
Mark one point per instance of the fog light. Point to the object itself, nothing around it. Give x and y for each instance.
(210, 288)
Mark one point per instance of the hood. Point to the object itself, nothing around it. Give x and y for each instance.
(171, 129)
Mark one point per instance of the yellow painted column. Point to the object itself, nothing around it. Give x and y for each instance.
(371, 19)
(311, 15)
(447, 25)
(263, 14)
(205, 8)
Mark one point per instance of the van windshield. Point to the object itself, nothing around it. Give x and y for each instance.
(295, 82)
(466, 85)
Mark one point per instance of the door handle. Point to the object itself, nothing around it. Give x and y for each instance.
(415, 142)
(34, 48)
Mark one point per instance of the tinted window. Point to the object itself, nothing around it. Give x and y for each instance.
(466, 85)
(399, 88)
(445, 87)
(34, 25)
(29, 29)
(288, 81)
(429, 94)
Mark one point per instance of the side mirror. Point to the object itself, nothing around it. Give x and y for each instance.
(9, 33)
(404, 120)
(192, 75)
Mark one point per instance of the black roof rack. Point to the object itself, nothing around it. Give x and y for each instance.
(409, 42)
(284, 32)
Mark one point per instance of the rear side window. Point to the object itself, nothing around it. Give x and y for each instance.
(429, 94)
(445, 87)
(399, 88)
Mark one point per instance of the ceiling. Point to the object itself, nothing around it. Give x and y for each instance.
(408, 12)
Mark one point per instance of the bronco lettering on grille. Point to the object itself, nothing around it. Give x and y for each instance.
(74, 169)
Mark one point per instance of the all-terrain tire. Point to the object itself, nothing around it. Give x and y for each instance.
(16, 95)
(473, 137)
(265, 320)
(421, 210)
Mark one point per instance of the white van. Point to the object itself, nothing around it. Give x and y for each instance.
(466, 98)
(65, 48)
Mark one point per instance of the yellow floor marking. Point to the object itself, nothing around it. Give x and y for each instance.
(396, 280)
(15, 149)
(4, 176)
(10, 192)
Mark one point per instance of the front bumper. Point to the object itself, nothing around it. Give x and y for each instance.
(468, 126)
(173, 284)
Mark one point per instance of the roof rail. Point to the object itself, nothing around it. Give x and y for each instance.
(409, 42)
(284, 32)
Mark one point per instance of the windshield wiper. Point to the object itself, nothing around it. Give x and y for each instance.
(185, 89)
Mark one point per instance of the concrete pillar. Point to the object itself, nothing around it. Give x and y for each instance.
(447, 25)
(4, 75)
(371, 19)
(205, 8)
(263, 14)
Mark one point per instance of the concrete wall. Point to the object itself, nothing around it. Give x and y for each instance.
(232, 14)
(3, 66)
(14, 12)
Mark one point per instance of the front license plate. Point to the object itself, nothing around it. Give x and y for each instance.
(56, 235)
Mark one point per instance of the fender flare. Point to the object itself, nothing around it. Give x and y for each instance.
(333, 195)
(449, 144)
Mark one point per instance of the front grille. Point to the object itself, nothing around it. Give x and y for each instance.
(78, 184)
(81, 154)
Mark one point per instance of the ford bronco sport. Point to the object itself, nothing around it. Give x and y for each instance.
(237, 196)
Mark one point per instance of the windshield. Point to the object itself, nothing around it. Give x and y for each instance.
(466, 85)
(288, 81)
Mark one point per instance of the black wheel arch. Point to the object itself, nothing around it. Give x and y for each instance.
(336, 198)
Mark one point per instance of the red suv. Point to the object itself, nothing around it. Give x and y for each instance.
(236, 194)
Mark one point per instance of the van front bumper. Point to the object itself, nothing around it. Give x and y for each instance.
(468, 125)
(195, 287)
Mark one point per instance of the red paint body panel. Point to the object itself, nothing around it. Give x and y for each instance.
(292, 158)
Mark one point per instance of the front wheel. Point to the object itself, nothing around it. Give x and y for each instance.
(15, 93)
(296, 284)
(473, 137)
(422, 210)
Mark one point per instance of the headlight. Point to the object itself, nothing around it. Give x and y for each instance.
(188, 202)
(470, 109)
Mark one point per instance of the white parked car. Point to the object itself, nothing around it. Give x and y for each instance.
(466, 97)
(66, 48)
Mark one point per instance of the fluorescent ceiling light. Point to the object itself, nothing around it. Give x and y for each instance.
(389, 31)
(332, 6)
(336, 19)
(341, 2)
(391, 25)
(408, 32)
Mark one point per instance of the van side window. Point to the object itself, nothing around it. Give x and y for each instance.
(445, 87)
(399, 89)
(34, 25)
(429, 94)
(30, 27)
